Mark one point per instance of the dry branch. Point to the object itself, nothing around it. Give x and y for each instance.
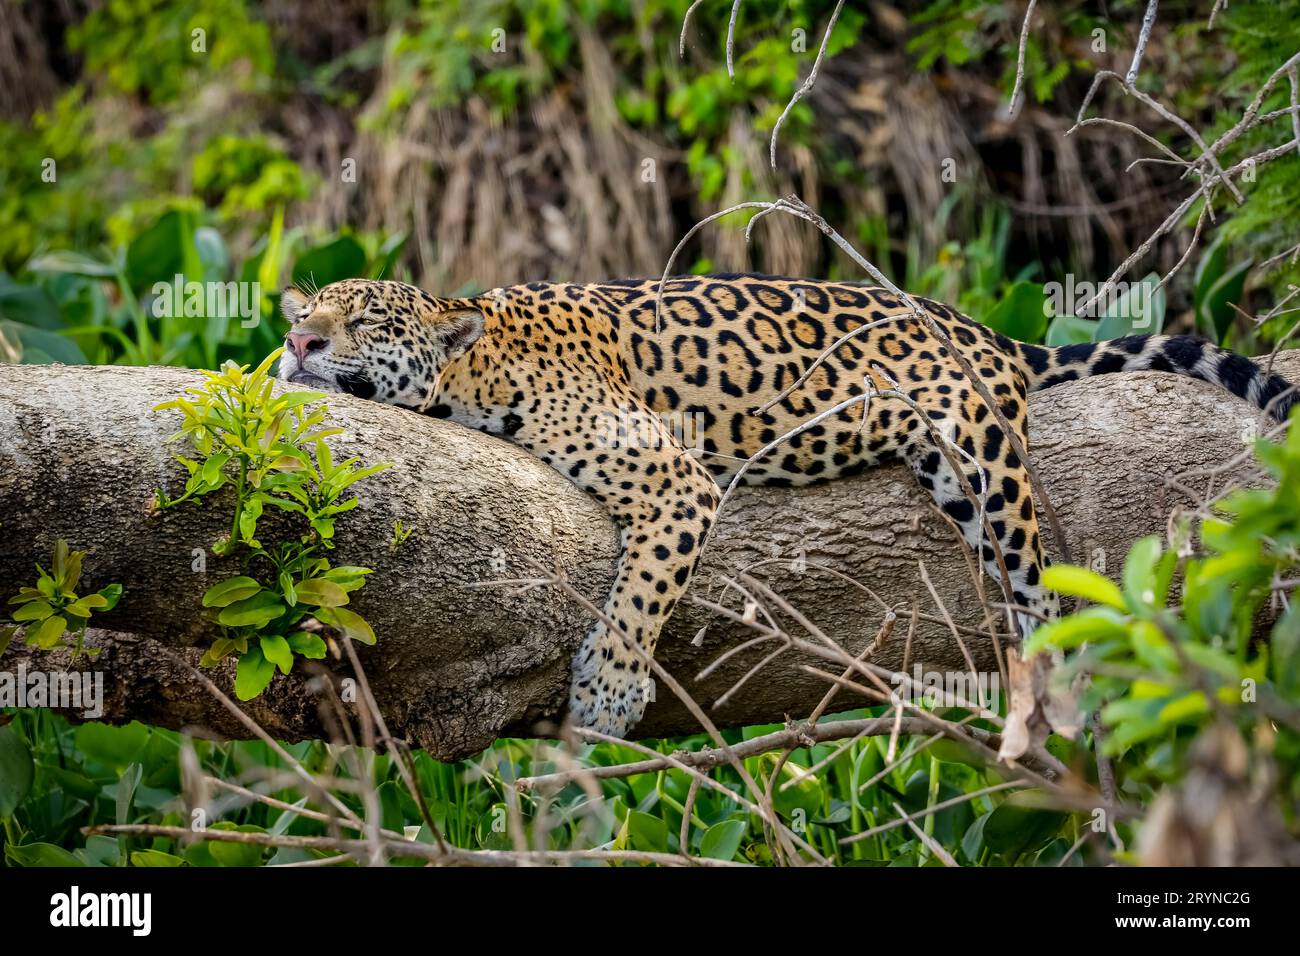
(458, 665)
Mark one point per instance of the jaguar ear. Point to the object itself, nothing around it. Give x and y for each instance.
(291, 303)
(457, 330)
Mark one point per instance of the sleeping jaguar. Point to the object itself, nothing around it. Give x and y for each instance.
(551, 366)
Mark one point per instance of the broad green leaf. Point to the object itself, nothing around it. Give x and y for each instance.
(1215, 288)
(276, 650)
(155, 858)
(722, 840)
(29, 304)
(1083, 583)
(256, 611)
(321, 592)
(157, 253)
(48, 633)
(83, 607)
(253, 674)
(1090, 624)
(226, 853)
(310, 646)
(72, 263)
(40, 854)
(349, 622)
(1021, 314)
(1018, 826)
(1139, 310)
(33, 611)
(1140, 573)
(647, 833)
(111, 593)
(16, 771)
(115, 747)
(344, 258)
(1067, 330)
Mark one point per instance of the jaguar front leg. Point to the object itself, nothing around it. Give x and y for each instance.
(663, 501)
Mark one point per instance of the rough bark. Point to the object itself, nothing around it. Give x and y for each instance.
(81, 452)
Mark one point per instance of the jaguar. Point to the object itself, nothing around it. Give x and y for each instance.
(791, 382)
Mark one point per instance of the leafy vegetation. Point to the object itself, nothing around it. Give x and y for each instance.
(53, 608)
(272, 451)
(1165, 665)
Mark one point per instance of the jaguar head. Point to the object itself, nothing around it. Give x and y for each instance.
(379, 340)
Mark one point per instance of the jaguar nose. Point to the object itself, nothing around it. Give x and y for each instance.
(301, 343)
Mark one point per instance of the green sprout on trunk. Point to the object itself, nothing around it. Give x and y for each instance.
(53, 608)
(271, 450)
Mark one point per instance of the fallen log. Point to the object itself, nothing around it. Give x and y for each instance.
(458, 664)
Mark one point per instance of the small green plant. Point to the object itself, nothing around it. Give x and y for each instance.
(271, 450)
(53, 608)
(1165, 666)
(400, 533)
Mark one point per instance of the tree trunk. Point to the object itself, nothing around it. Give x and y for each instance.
(81, 452)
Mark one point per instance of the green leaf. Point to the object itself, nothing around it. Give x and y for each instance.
(6, 635)
(114, 747)
(40, 854)
(647, 833)
(287, 589)
(111, 593)
(28, 304)
(1216, 311)
(347, 576)
(33, 611)
(294, 399)
(1021, 314)
(83, 607)
(321, 592)
(48, 633)
(1139, 310)
(350, 623)
(276, 650)
(310, 646)
(16, 771)
(235, 854)
(1140, 573)
(1018, 826)
(99, 850)
(722, 840)
(1214, 287)
(1067, 330)
(256, 611)
(126, 787)
(153, 858)
(973, 840)
(1286, 653)
(157, 254)
(1083, 583)
(253, 674)
(1090, 624)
